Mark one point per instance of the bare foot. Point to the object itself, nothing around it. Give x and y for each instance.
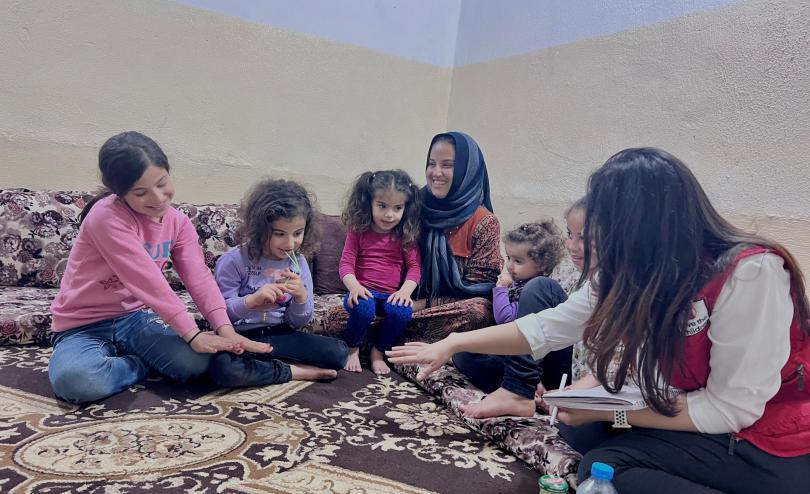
(353, 362)
(301, 372)
(378, 364)
(499, 403)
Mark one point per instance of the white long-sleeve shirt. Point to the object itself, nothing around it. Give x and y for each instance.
(749, 331)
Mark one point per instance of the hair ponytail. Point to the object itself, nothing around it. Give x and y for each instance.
(122, 160)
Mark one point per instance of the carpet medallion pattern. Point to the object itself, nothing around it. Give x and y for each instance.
(358, 434)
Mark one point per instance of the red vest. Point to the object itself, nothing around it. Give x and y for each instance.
(784, 428)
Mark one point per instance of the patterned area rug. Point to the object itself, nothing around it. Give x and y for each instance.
(358, 434)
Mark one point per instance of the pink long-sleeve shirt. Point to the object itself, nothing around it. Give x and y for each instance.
(377, 261)
(115, 267)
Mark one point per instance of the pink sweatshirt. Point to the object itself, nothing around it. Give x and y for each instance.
(115, 267)
(377, 261)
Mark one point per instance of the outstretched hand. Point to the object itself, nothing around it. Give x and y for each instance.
(208, 342)
(228, 333)
(432, 356)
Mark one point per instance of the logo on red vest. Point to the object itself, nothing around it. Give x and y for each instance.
(698, 318)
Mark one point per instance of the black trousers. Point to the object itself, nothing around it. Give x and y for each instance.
(521, 373)
(671, 462)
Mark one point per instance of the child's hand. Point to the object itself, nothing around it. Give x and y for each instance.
(504, 279)
(265, 297)
(227, 332)
(208, 342)
(295, 287)
(357, 292)
(399, 297)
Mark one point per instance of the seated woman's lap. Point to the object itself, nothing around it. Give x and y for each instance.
(678, 462)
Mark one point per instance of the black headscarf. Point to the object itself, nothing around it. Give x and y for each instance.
(469, 190)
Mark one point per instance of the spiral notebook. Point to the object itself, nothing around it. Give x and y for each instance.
(628, 398)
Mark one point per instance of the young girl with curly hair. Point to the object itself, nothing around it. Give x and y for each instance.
(533, 250)
(380, 264)
(268, 291)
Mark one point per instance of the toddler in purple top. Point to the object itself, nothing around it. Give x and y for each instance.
(532, 249)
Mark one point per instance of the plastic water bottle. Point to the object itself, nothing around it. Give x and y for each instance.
(600, 480)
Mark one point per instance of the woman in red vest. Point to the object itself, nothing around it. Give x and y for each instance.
(699, 305)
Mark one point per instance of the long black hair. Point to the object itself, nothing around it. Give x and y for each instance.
(658, 241)
(121, 161)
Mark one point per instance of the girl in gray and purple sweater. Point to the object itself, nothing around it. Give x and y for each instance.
(268, 293)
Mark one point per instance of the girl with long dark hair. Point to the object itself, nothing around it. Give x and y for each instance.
(115, 316)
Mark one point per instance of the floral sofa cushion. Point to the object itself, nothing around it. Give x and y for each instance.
(25, 316)
(37, 229)
(216, 225)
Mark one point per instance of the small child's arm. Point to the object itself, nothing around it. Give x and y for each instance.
(348, 261)
(503, 310)
(413, 273)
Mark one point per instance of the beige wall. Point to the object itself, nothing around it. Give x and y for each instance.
(231, 100)
(228, 100)
(728, 91)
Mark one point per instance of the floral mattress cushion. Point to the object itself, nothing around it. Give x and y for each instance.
(25, 317)
(532, 439)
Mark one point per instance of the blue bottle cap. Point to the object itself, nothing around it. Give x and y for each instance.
(601, 471)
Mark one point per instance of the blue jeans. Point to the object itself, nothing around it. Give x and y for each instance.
(92, 362)
(361, 315)
(520, 374)
(259, 369)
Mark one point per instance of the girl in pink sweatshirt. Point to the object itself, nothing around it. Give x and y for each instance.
(115, 315)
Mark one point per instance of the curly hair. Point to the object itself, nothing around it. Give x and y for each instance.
(268, 201)
(546, 246)
(357, 214)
